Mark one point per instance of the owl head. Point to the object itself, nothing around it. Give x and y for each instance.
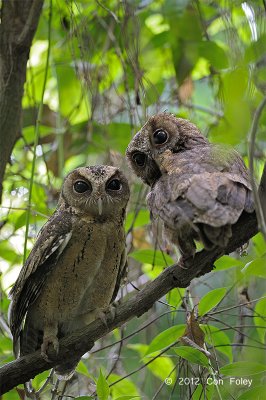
(162, 132)
(99, 191)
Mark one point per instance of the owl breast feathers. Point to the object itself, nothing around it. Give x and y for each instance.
(198, 189)
(75, 268)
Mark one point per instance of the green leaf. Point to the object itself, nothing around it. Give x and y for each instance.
(242, 368)
(7, 252)
(161, 367)
(102, 387)
(259, 244)
(175, 297)
(152, 271)
(142, 218)
(227, 262)
(214, 54)
(208, 389)
(153, 257)
(193, 355)
(82, 369)
(210, 300)
(260, 319)
(123, 388)
(218, 339)
(255, 267)
(257, 393)
(165, 338)
(127, 397)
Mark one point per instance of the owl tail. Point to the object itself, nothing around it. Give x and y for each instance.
(30, 338)
(66, 371)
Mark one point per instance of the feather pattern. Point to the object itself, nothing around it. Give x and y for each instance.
(75, 268)
(199, 189)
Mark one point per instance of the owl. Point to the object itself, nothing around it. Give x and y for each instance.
(75, 268)
(198, 189)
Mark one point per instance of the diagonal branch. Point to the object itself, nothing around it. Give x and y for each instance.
(25, 368)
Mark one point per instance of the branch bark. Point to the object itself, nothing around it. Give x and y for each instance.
(262, 191)
(25, 368)
(19, 20)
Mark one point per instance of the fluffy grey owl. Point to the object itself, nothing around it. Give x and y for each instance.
(198, 189)
(74, 270)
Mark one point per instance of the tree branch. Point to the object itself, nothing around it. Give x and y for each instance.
(262, 192)
(258, 195)
(25, 368)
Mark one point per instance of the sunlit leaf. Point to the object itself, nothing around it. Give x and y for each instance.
(153, 257)
(227, 262)
(256, 267)
(123, 388)
(137, 220)
(210, 300)
(242, 368)
(260, 318)
(193, 355)
(257, 393)
(102, 387)
(165, 338)
(219, 339)
(175, 297)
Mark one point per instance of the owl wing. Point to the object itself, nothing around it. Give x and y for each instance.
(219, 198)
(121, 273)
(203, 205)
(51, 241)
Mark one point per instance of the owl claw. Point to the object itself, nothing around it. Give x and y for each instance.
(102, 314)
(103, 318)
(185, 262)
(47, 341)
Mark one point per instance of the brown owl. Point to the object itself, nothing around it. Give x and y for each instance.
(198, 189)
(74, 270)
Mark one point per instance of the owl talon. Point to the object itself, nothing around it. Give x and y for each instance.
(102, 316)
(47, 341)
(185, 262)
(112, 309)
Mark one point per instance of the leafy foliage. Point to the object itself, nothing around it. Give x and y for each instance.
(111, 65)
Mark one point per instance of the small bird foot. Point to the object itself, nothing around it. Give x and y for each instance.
(185, 262)
(102, 314)
(47, 341)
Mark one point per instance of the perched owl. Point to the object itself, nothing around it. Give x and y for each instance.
(198, 189)
(74, 270)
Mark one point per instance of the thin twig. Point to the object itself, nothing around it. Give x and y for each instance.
(5, 328)
(236, 306)
(81, 341)
(37, 131)
(145, 365)
(251, 142)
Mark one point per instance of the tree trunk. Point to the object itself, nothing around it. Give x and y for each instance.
(19, 20)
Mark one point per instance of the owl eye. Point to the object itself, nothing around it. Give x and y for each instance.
(160, 136)
(82, 187)
(139, 158)
(114, 184)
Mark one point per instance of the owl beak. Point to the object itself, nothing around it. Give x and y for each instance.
(100, 205)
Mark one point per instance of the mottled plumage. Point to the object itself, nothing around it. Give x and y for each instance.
(74, 270)
(198, 189)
